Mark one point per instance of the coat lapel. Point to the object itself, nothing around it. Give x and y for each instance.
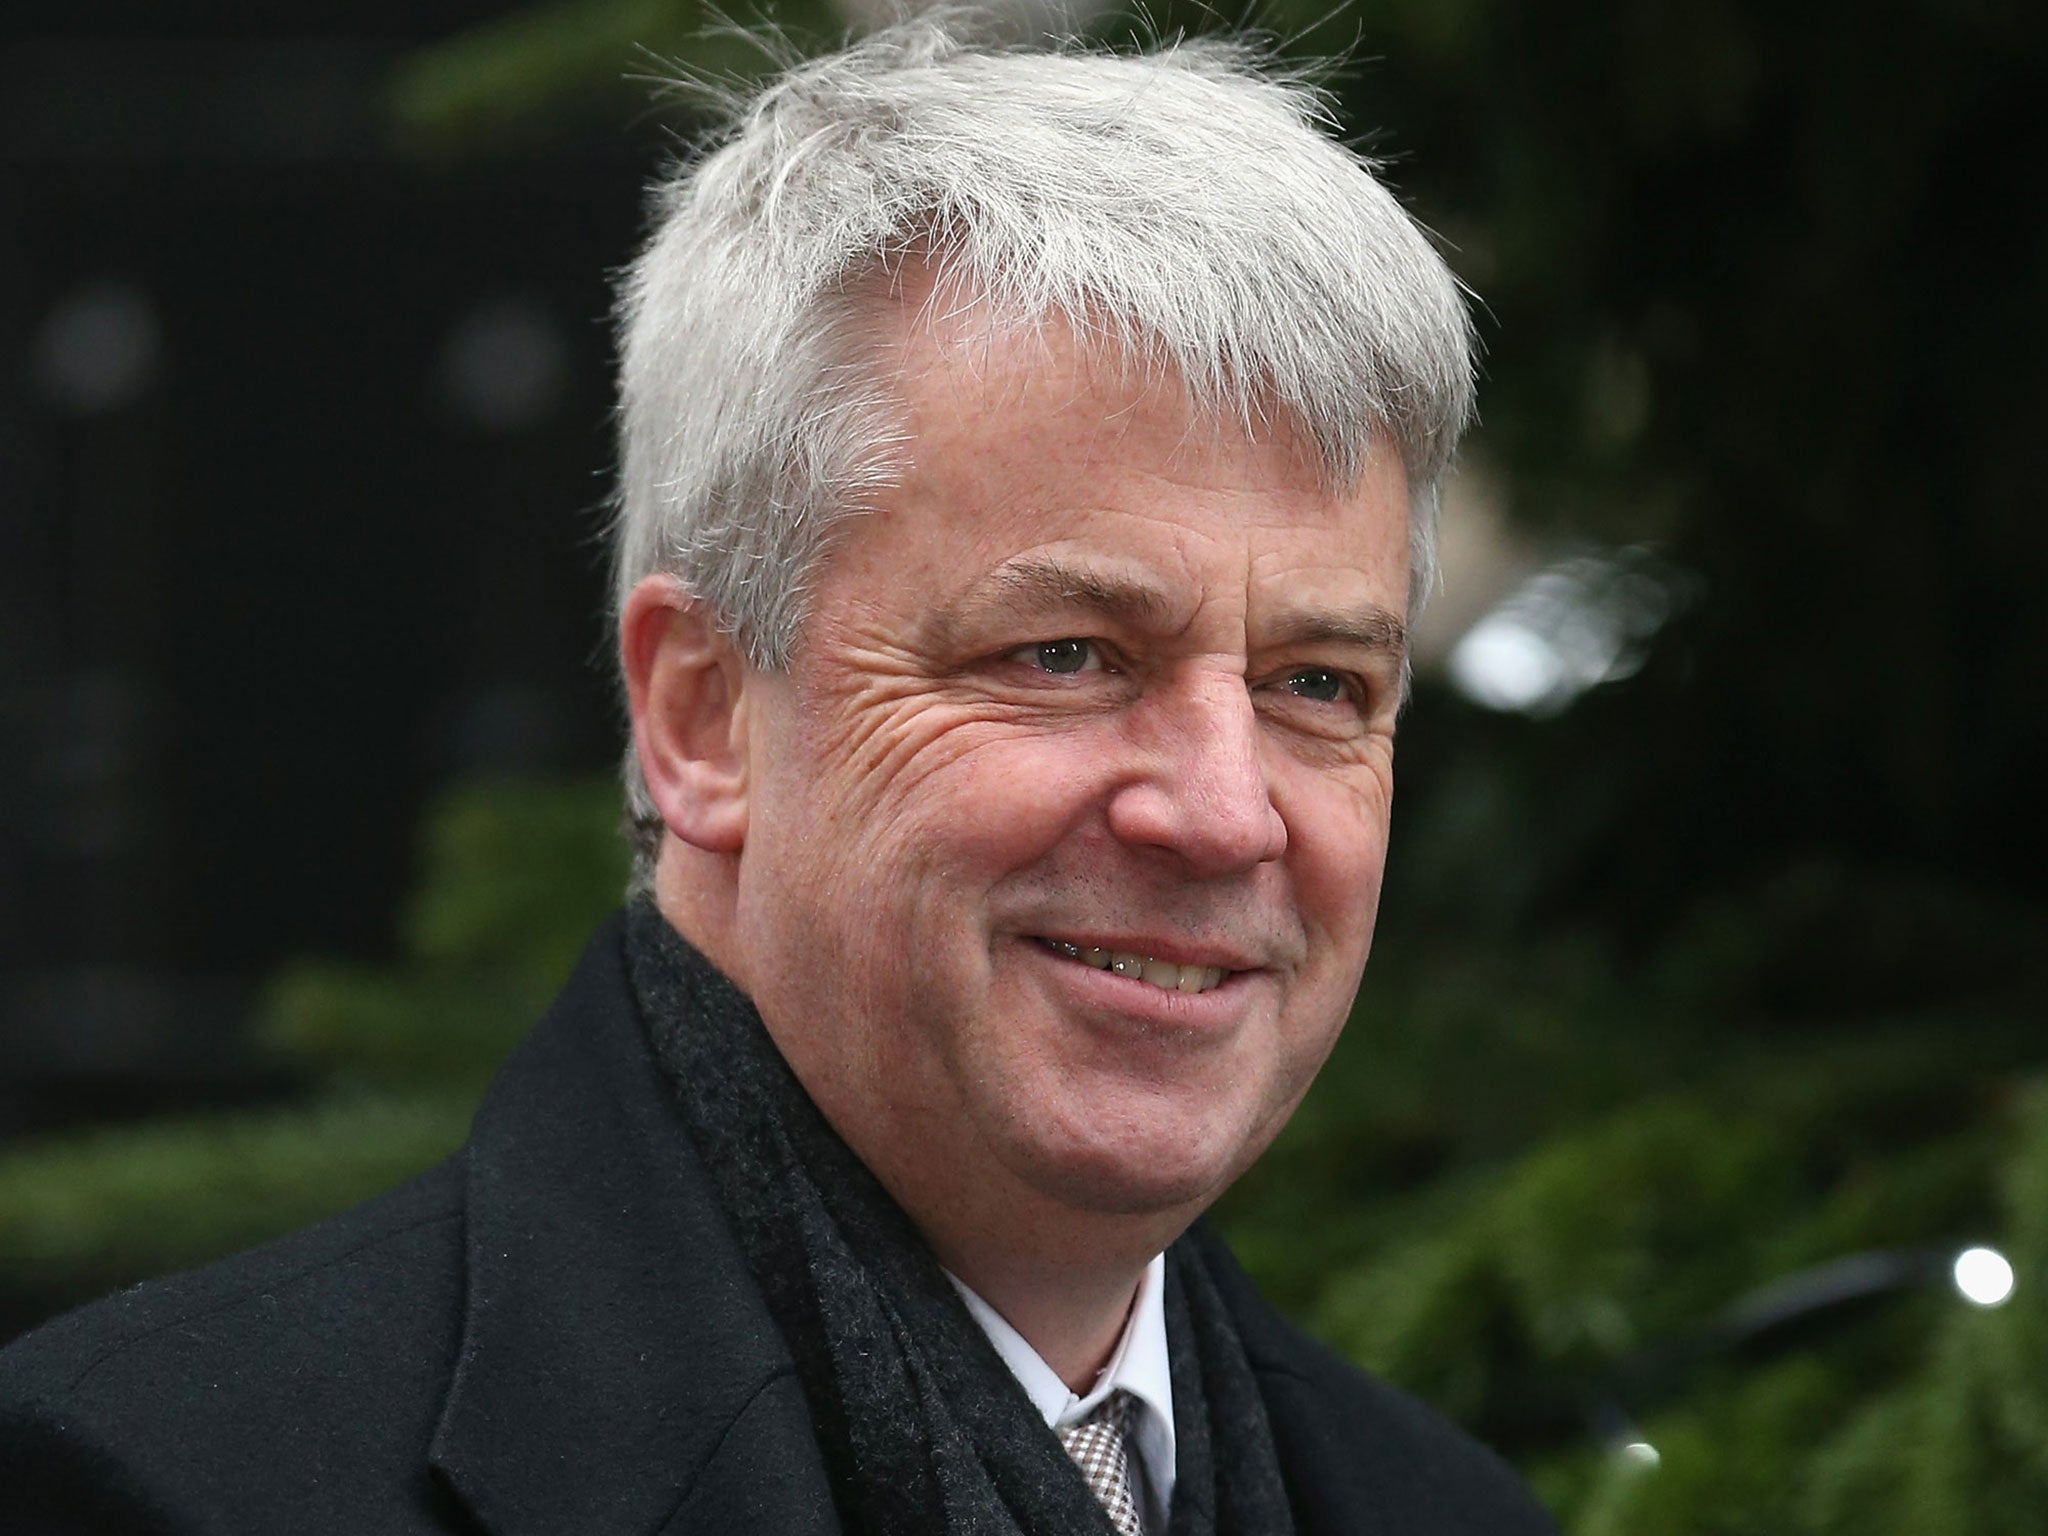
(613, 1334)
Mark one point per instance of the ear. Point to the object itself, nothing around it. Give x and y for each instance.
(686, 686)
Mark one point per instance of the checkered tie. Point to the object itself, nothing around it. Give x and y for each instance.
(1097, 1445)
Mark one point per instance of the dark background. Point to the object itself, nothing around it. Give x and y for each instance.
(314, 531)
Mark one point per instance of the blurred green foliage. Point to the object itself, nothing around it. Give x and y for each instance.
(512, 877)
(84, 1213)
(1733, 970)
(1517, 1292)
(544, 69)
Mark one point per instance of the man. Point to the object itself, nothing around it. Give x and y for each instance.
(1028, 469)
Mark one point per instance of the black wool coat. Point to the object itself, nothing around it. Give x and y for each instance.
(554, 1334)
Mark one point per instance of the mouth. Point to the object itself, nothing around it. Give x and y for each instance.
(1163, 974)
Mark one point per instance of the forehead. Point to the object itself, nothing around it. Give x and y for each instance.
(961, 364)
(1020, 439)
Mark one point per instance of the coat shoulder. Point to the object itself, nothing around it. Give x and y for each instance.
(253, 1379)
(1351, 1444)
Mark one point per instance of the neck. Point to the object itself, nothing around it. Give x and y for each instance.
(1063, 1276)
(1073, 1327)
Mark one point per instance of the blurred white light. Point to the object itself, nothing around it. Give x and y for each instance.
(1503, 664)
(99, 348)
(1640, 1453)
(505, 364)
(1584, 620)
(1983, 1276)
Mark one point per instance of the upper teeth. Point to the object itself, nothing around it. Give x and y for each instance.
(1160, 973)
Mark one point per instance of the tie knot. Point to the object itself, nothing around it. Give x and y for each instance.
(1097, 1445)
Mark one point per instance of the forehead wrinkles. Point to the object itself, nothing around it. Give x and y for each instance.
(943, 346)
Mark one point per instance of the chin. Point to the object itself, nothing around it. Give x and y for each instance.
(1150, 1173)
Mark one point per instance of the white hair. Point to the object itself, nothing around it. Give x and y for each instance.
(1184, 207)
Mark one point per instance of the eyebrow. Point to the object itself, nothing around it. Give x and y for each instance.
(1042, 582)
(1370, 628)
(1036, 581)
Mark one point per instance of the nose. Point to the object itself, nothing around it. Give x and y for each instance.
(1201, 791)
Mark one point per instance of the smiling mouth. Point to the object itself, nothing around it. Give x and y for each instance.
(1163, 974)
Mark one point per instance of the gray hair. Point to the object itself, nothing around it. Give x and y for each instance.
(1184, 208)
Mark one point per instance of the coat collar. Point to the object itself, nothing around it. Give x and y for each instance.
(612, 1330)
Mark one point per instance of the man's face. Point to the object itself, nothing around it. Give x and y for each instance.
(1065, 827)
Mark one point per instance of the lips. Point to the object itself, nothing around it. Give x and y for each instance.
(1164, 974)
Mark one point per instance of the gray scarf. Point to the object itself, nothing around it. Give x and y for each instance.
(923, 1429)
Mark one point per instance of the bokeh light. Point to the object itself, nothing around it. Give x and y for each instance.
(1984, 1276)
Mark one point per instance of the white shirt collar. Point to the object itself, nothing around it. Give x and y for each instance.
(1138, 1366)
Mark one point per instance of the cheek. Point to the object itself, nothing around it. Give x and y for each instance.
(917, 830)
(988, 792)
(1337, 849)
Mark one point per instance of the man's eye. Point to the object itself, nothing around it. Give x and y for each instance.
(1317, 683)
(1062, 656)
